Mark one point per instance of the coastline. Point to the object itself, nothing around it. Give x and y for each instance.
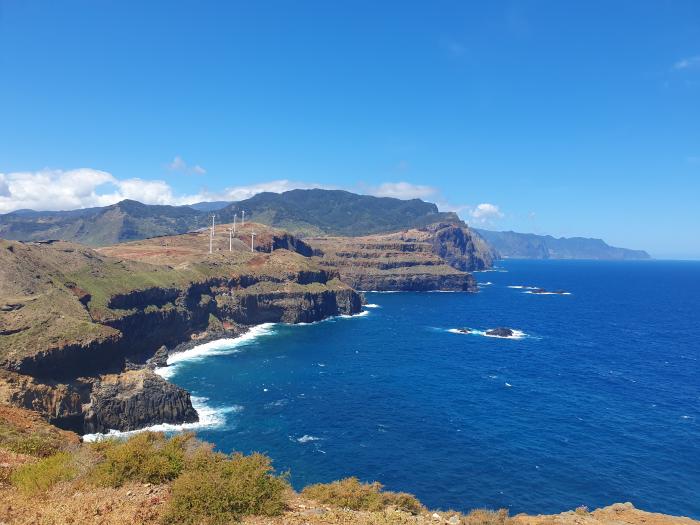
(209, 417)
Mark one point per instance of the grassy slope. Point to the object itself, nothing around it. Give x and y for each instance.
(44, 282)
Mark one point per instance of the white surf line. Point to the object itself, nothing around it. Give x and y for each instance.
(209, 417)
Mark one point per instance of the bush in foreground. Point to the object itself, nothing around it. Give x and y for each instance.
(352, 494)
(486, 517)
(43, 474)
(147, 457)
(220, 489)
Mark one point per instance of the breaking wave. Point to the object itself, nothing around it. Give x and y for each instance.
(209, 417)
(517, 334)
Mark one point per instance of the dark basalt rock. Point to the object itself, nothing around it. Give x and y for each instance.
(464, 330)
(135, 400)
(500, 332)
(159, 359)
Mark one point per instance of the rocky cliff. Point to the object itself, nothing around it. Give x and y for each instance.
(134, 400)
(79, 325)
(436, 257)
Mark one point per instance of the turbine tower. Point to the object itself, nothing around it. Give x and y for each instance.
(252, 241)
(243, 218)
(230, 239)
(211, 234)
(234, 222)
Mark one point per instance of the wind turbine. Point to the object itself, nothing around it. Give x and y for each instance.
(243, 219)
(252, 240)
(211, 233)
(230, 239)
(234, 222)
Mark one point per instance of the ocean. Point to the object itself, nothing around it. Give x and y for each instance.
(597, 401)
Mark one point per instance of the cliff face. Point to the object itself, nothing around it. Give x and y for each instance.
(460, 247)
(75, 320)
(436, 257)
(134, 400)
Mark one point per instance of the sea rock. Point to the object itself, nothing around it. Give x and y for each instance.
(464, 330)
(500, 332)
(134, 400)
(159, 359)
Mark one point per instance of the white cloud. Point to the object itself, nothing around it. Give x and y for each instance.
(237, 193)
(401, 190)
(485, 212)
(688, 63)
(178, 164)
(4, 188)
(50, 189)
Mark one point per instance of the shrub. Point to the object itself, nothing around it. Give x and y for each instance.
(486, 517)
(39, 444)
(352, 494)
(43, 474)
(582, 510)
(147, 457)
(220, 489)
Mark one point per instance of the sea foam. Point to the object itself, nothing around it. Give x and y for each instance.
(517, 334)
(218, 347)
(209, 417)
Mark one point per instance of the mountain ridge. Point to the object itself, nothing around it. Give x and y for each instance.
(515, 245)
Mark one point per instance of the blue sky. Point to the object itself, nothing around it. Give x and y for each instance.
(569, 118)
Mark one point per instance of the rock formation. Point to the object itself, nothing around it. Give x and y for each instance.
(134, 400)
(436, 257)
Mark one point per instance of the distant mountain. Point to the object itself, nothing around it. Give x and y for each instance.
(530, 246)
(306, 212)
(125, 221)
(336, 212)
(209, 206)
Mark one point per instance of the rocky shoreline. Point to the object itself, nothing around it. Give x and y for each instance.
(84, 329)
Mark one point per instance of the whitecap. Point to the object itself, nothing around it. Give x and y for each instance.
(508, 385)
(547, 293)
(371, 305)
(352, 316)
(306, 438)
(487, 283)
(277, 404)
(209, 417)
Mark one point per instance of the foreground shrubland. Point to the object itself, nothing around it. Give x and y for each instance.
(154, 479)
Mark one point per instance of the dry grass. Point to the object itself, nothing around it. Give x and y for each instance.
(352, 494)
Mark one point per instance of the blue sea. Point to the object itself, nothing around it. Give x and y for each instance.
(597, 401)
